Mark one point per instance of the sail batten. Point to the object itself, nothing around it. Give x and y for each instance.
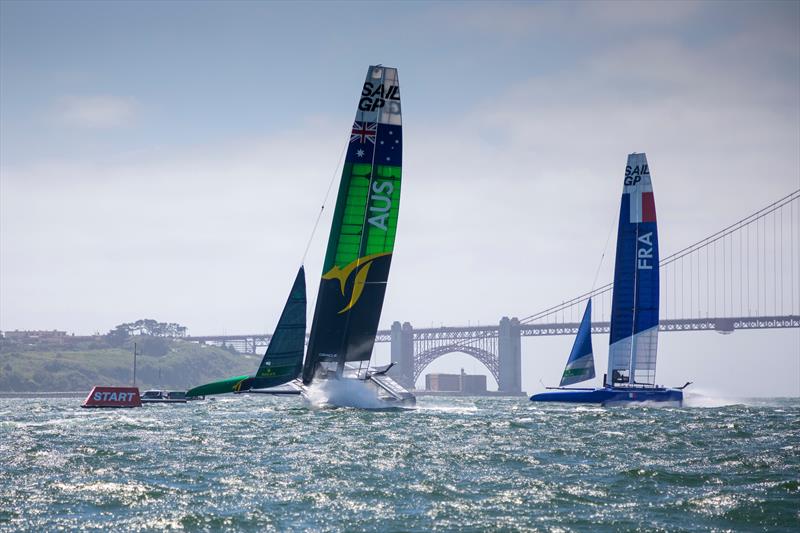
(363, 230)
(634, 309)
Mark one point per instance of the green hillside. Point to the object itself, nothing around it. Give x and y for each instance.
(184, 365)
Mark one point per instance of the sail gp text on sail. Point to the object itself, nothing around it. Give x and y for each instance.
(374, 98)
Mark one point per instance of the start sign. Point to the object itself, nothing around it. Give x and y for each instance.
(113, 397)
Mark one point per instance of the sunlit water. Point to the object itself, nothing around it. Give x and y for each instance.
(260, 463)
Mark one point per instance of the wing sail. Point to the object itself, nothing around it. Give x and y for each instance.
(634, 307)
(362, 234)
(283, 359)
(580, 364)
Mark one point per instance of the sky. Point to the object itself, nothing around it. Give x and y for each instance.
(168, 160)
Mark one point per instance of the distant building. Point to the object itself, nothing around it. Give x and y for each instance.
(462, 383)
(443, 382)
(36, 336)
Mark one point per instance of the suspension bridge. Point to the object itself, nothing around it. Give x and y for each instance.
(745, 276)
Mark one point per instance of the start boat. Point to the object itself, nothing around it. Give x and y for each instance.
(634, 310)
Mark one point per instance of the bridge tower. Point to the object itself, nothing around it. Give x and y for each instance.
(509, 355)
(403, 354)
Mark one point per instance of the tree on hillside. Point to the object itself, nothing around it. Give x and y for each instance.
(145, 327)
(117, 336)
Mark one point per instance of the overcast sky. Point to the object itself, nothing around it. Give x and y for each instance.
(167, 160)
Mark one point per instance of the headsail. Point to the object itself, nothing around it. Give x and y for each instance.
(362, 234)
(580, 365)
(283, 359)
(634, 308)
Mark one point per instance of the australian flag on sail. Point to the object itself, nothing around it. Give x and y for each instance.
(384, 142)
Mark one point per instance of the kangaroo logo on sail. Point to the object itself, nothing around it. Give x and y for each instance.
(380, 203)
(633, 175)
(361, 267)
(645, 253)
(373, 98)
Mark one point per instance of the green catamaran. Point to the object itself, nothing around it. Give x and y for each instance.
(356, 267)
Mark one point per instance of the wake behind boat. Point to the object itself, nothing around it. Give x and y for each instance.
(634, 310)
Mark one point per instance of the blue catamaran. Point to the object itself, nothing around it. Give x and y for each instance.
(634, 310)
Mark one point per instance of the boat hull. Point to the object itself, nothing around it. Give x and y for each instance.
(612, 396)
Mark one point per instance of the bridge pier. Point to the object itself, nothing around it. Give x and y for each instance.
(509, 355)
(403, 354)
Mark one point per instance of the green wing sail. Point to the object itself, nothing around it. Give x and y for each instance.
(362, 234)
(283, 359)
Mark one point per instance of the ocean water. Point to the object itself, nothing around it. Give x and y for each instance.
(257, 463)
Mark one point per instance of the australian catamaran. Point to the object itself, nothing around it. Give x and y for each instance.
(634, 310)
(355, 271)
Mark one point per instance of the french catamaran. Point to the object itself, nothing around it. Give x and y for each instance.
(634, 310)
(355, 271)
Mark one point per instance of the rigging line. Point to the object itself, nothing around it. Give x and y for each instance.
(325, 199)
(605, 249)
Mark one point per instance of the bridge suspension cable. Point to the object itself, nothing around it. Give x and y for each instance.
(714, 273)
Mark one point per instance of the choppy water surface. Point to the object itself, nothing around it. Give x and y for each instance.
(261, 463)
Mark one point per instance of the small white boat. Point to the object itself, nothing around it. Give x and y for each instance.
(164, 396)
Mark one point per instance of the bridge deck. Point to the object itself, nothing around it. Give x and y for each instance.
(721, 324)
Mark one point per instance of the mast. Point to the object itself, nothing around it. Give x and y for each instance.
(632, 365)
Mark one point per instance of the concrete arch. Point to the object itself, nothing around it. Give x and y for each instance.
(489, 360)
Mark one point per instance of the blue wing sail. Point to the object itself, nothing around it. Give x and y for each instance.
(634, 307)
(580, 365)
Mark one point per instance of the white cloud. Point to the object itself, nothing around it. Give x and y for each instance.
(100, 111)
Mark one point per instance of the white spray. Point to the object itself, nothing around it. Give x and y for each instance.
(343, 393)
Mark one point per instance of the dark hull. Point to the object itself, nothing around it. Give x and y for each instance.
(612, 396)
